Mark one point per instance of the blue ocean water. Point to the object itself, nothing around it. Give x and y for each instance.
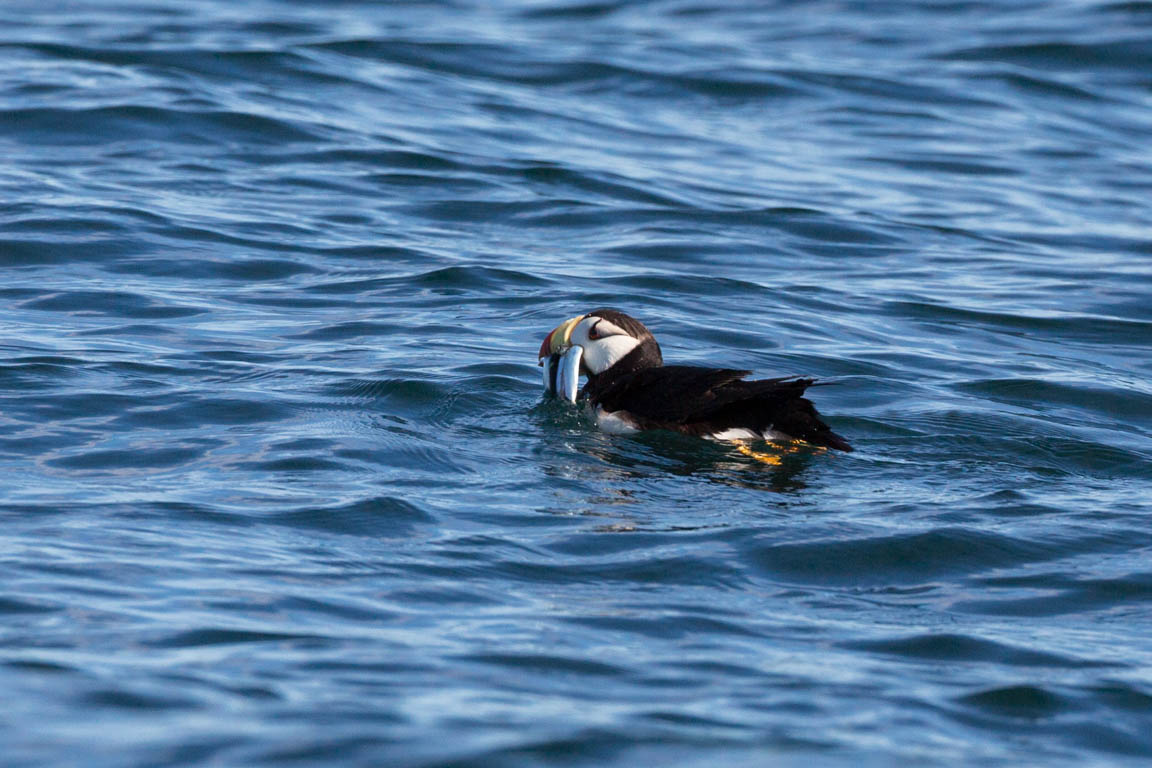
(277, 484)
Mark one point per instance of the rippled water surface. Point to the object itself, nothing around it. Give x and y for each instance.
(278, 486)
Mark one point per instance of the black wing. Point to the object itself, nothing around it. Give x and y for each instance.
(669, 393)
(704, 401)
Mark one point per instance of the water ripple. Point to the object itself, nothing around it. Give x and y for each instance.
(279, 486)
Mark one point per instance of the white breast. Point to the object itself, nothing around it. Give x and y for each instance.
(622, 423)
(736, 433)
(616, 422)
(743, 433)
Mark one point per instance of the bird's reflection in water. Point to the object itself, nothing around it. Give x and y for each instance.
(624, 466)
(766, 466)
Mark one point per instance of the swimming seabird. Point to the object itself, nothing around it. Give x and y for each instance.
(630, 388)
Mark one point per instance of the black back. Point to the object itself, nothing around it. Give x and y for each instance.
(704, 401)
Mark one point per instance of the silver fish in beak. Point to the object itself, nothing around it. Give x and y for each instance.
(568, 377)
(550, 366)
(560, 360)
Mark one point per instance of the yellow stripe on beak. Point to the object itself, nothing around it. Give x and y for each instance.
(562, 336)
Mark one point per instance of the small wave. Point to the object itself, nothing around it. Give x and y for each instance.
(1025, 701)
(1126, 405)
(386, 516)
(1113, 54)
(1064, 595)
(956, 648)
(194, 413)
(144, 457)
(498, 62)
(115, 303)
(905, 558)
(125, 122)
(464, 279)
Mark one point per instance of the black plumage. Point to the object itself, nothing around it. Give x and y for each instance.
(702, 401)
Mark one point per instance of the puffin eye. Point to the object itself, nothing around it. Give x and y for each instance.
(592, 333)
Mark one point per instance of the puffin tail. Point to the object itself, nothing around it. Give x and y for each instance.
(801, 422)
(830, 439)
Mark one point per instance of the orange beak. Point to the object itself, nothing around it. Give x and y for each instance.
(558, 338)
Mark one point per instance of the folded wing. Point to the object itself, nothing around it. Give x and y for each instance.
(706, 401)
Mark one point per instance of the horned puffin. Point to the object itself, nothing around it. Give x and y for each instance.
(630, 388)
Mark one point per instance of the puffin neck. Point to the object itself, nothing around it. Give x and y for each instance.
(645, 355)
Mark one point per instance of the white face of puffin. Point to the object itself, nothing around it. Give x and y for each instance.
(584, 344)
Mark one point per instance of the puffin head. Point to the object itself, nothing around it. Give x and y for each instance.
(592, 344)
